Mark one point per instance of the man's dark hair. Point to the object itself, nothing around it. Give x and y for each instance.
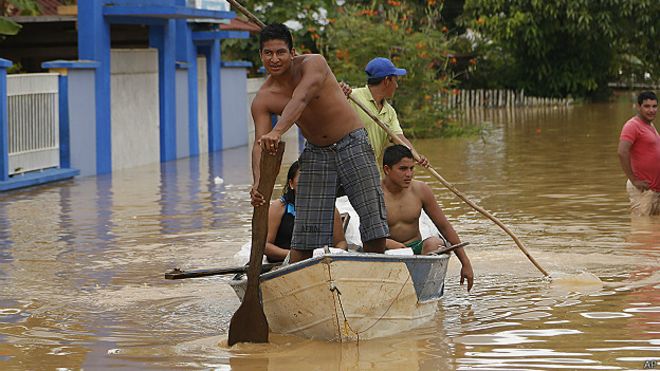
(646, 95)
(372, 81)
(275, 31)
(394, 154)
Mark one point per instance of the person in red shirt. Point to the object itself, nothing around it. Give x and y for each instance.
(639, 154)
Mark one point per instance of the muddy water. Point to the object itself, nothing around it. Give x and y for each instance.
(81, 263)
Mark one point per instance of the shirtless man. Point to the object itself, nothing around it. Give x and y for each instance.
(405, 198)
(303, 90)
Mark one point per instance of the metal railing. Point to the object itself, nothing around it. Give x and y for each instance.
(33, 122)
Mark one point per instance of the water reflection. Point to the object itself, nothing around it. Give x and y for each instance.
(81, 262)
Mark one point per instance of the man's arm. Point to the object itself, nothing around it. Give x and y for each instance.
(395, 126)
(347, 90)
(436, 214)
(624, 159)
(262, 125)
(423, 161)
(390, 244)
(433, 210)
(314, 72)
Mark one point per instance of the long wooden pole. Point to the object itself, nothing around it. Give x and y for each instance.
(397, 140)
(451, 187)
(247, 13)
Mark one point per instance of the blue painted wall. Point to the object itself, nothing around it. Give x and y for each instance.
(94, 45)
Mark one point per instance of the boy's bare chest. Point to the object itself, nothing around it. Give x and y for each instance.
(403, 208)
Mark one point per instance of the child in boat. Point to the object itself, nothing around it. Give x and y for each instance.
(404, 199)
(281, 218)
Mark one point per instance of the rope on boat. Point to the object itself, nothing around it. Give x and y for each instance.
(347, 325)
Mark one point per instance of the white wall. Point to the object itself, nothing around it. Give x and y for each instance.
(134, 102)
(182, 117)
(233, 80)
(202, 112)
(82, 121)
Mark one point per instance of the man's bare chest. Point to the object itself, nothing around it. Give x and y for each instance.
(277, 103)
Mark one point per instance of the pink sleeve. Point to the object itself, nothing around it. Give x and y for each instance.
(629, 132)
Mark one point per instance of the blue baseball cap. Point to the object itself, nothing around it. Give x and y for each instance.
(382, 67)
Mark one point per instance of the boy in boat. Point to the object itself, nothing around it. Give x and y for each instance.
(303, 90)
(405, 198)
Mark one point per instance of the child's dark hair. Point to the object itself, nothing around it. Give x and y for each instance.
(394, 154)
(289, 194)
(275, 31)
(646, 95)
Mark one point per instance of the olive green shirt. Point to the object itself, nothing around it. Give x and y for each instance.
(377, 136)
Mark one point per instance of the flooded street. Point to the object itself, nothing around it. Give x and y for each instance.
(82, 262)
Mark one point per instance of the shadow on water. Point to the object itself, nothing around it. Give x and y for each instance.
(82, 262)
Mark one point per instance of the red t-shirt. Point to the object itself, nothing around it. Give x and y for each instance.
(645, 150)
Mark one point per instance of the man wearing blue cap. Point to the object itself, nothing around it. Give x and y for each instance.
(382, 82)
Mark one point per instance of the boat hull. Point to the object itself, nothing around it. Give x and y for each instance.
(349, 297)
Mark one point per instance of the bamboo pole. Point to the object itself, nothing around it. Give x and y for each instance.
(395, 139)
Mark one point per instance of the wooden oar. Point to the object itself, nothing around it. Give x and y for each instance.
(249, 323)
(178, 274)
(397, 140)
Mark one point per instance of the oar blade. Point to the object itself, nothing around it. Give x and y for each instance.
(249, 324)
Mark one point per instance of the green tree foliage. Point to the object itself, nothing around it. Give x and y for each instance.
(306, 19)
(409, 37)
(19, 7)
(350, 33)
(14, 7)
(563, 47)
(8, 27)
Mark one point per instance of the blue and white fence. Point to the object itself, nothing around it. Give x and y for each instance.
(102, 125)
(32, 125)
(33, 122)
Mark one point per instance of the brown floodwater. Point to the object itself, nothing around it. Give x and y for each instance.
(82, 262)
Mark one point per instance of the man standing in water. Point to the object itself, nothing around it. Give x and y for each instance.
(639, 154)
(303, 90)
(405, 198)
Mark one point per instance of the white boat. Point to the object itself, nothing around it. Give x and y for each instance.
(351, 296)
